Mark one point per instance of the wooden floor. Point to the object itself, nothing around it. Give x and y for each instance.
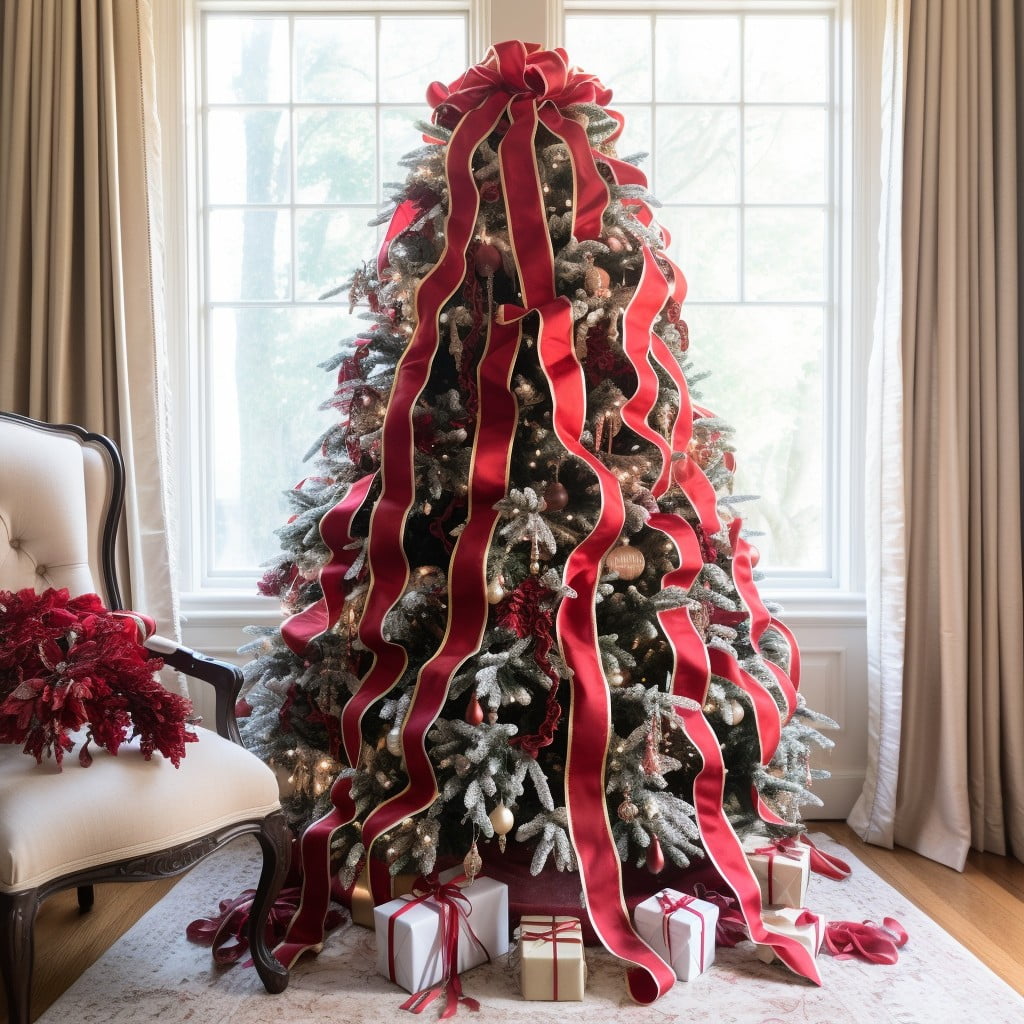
(983, 908)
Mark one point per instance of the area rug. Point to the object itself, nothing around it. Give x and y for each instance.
(153, 973)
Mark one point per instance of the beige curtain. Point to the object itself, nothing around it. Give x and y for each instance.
(81, 320)
(954, 776)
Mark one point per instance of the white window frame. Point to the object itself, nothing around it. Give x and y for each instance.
(542, 20)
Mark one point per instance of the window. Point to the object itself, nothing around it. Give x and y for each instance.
(737, 109)
(301, 119)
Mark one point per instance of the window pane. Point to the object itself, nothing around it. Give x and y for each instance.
(698, 154)
(249, 254)
(232, 135)
(330, 244)
(246, 60)
(398, 137)
(419, 51)
(705, 245)
(617, 50)
(767, 384)
(786, 59)
(785, 254)
(335, 60)
(266, 427)
(697, 60)
(786, 155)
(335, 155)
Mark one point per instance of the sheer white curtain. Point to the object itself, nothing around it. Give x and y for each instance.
(947, 601)
(81, 317)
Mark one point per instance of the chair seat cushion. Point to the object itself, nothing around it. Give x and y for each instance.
(55, 823)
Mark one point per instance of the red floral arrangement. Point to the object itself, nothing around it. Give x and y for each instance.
(68, 662)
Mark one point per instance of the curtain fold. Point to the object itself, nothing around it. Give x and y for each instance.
(81, 319)
(954, 779)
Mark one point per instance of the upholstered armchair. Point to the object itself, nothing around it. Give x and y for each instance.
(122, 818)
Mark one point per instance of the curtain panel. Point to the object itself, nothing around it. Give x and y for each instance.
(81, 318)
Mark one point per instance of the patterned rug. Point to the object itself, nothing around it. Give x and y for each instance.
(153, 973)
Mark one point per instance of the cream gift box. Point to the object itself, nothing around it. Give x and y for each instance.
(681, 929)
(782, 869)
(808, 929)
(551, 962)
(410, 944)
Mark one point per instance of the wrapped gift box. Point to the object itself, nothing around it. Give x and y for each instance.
(782, 870)
(798, 923)
(410, 944)
(681, 929)
(551, 963)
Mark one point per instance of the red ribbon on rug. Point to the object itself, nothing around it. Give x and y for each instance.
(730, 929)
(865, 940)
(555, 932)
(452, 905)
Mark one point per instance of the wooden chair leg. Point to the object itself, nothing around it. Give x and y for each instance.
(86, 898)
(18, 913)
(275, 841)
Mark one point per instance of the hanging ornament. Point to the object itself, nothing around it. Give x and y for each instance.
(556, 497)
(502, 821)
(627, 810)
(737, 712)
(487, 261)
(474, 712)
(496, 590)
(616, 677)
(393, 741)
(596, 281)
(534, 554)
(651, 763)
(625, 560)
(655, 857)
(472, 862)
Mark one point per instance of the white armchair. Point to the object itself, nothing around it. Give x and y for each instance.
(122, 818)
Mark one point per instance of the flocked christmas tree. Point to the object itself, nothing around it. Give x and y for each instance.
(520, 602)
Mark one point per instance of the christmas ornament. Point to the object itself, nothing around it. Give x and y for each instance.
(496, 590)
(502, 822)
(556, 497)
(627, 810)
(393, 741)
(596, 281)
(487, 260)
(474, 712)
(737, 712)
(655, 857)
(626, 561)
(472, 862)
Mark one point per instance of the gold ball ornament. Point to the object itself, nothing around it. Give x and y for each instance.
(502, 821)
(472, 863)
(737, 712)
(393, 741)
(496, 590)
(596, 281)
(626, 561)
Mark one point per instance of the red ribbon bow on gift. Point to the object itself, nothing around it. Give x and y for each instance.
(555, 932)
(669, 905)
(788, 848)
(455, 908)
(865, 940)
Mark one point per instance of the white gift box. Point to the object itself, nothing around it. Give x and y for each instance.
(410, 945)
(782, 870)
(798, 923)
(681, 929)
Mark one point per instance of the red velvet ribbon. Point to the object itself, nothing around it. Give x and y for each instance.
(555, 932)
(865, 940)
(454, 909)
(670, 905)
(730, 929)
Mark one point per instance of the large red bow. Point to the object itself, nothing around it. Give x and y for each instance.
(516, 69)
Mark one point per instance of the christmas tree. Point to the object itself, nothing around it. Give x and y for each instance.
(520, 603)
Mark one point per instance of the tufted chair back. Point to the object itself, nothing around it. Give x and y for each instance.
(58, 486)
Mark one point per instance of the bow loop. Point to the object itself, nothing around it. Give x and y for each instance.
(519, 71)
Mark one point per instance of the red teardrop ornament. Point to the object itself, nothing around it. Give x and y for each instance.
(474, 712)
(655, 857)
(487, 260)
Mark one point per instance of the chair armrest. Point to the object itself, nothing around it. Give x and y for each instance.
(225, 678)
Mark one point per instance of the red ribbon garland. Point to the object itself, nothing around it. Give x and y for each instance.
(452, 905)
(554, 934)
(877, 944)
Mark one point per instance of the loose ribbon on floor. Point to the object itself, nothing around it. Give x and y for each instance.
(865, 940)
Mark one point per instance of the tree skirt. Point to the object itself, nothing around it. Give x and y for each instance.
(153, 973)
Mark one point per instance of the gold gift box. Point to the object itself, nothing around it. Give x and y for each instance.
(551, 961)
